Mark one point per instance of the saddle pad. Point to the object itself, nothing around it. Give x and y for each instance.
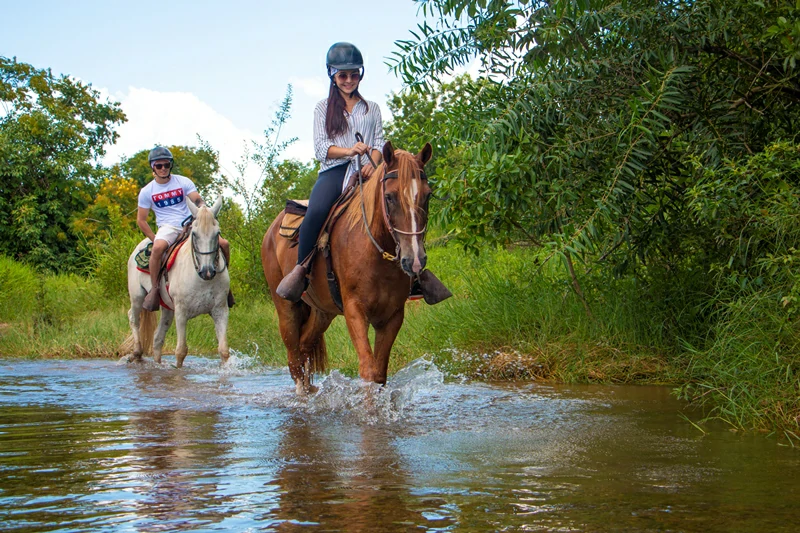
(143, 257)
(295, 211)
(170, 259)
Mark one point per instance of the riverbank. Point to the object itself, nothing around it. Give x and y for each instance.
(506, 321)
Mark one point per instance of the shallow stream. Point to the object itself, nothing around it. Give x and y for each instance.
(91, 445)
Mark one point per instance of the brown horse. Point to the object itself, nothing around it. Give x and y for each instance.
(391, 208)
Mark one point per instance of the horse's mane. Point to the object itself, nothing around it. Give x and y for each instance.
(205, 220)
(407, 169)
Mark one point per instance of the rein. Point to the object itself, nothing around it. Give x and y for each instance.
(388, 223)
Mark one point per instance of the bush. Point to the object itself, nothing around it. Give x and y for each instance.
(110, 261)
(18, 288)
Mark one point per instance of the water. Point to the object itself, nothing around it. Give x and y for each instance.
(90, 445)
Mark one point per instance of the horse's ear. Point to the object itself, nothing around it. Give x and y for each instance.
(388, 154)
(217, 205)
(426, 153)
(192, 207)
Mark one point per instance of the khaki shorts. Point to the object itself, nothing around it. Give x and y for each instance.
(168, 233)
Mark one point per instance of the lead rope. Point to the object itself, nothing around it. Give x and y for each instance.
(384, 254)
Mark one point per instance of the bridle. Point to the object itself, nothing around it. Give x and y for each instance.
(388, 223)
(215, 251)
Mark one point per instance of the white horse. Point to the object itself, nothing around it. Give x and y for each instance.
(197, 284)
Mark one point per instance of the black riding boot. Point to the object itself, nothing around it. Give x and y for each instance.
(433, 290)
(293, 284)
(152, 302)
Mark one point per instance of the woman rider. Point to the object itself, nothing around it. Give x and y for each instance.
(336, 121)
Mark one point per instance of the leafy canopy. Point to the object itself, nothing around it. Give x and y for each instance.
(596, 117)
(52, 132)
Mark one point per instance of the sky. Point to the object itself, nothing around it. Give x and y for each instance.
(217, 69)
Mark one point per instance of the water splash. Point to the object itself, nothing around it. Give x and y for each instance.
(371, 403)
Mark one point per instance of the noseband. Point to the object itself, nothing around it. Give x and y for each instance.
(196, 252)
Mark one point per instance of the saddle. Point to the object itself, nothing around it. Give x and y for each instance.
(290, 229)
(143, 257)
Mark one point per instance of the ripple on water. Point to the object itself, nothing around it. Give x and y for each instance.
(96, 446)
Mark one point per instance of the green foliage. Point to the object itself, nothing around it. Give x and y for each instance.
(52, 133)
(654, 142)
(587, 140)
(109, 259)
(18, 287)
(263, 199)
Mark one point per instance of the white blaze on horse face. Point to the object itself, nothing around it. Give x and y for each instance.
(415, 239)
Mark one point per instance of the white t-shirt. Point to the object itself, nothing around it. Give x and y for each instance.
(168, 201)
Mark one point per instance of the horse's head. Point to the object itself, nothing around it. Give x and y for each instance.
(205, 239)
(405, 196)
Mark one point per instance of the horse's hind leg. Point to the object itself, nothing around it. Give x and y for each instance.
(161, 333)
(292, 317)
(312, 347)
(134, 321)
(220, 316)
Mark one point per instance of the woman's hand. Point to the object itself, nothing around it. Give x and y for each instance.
(367, 170)
(358, 149)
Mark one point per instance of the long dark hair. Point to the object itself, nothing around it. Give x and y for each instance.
(335, 123)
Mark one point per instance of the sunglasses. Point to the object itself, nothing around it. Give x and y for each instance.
(159, 166)
(343, 76)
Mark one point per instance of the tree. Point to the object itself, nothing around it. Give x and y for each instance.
(419, 116)
(52, 132)
(261, 200)
(595, 117)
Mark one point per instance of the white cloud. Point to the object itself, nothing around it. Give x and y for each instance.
(176, 118)
(316, 87)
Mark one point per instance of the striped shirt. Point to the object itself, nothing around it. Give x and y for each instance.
(368, 123)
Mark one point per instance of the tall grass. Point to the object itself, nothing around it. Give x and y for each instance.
(18, 289)
(749, 376)
(510, 318)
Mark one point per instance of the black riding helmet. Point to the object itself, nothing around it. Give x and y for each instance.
(159, 152)
(344, 56)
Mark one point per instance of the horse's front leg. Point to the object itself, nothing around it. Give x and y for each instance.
(180, 329)
(358, 326)
(385, 335)
(220, 316)
(161, 333)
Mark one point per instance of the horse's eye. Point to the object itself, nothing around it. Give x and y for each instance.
(390, 198)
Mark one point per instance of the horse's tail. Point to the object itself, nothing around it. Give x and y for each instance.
(318, 359)
(147, 328)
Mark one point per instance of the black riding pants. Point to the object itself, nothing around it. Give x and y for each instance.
(325, 192)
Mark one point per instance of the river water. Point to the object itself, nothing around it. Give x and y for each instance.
(92, 445)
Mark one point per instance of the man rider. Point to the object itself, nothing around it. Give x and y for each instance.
(166, 195)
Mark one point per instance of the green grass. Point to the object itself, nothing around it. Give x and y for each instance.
(509, 319)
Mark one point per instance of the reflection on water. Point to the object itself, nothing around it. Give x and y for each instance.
(94, 446)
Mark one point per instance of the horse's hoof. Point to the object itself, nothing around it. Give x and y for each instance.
(129, 358)
(302, 391)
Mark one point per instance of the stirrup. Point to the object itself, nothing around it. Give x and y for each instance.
(416, 291)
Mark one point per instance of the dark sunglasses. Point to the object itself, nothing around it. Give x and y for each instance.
(342, 75)
(159, 166)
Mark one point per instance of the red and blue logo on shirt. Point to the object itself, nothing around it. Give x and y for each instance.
(168, 198)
